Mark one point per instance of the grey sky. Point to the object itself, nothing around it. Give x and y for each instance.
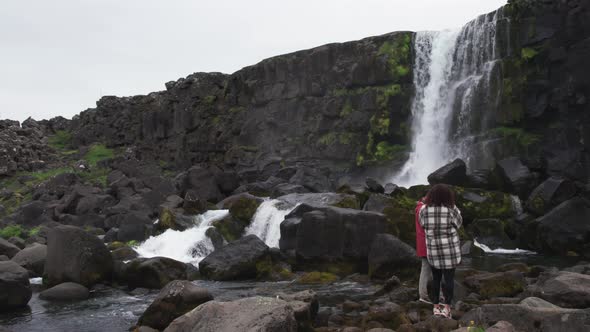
(58, 57)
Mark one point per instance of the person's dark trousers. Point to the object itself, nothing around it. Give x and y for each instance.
(448, 287)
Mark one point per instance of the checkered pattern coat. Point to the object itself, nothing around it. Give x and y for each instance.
(441, 226)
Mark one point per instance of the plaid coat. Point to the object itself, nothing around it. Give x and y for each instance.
(441, 226)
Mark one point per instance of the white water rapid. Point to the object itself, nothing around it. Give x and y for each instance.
(188, 246)
(266, 223)
(453, 73)
(516, 251)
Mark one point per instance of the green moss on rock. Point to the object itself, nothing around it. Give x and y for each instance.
(317, 278)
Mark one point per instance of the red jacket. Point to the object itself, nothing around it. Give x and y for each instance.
(420, 237)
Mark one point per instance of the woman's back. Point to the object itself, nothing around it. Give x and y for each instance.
(441, 225)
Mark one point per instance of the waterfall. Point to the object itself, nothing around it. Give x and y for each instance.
(266, 222)
(454, 75)
(188, 246)
(516, 204)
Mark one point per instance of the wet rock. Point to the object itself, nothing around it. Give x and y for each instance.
(15, 290)
(491, 232)
(403, 294)
(153, 273)
(454, 173)
(8, 249)
(549, 194)
(436, 324)
(174, 300)
(520, 267)
(67, 291)
(32, 258)
(236, 260)
(124, 254)
(389, 285)
(202, 181)
(390, 256)
(500, 284)
(388, 314)
(74, 255)
(565, 289)
(249, 314)
(242, 207)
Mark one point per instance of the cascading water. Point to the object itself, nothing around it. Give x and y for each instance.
(454, 74)
(188, 246)
(266, 223)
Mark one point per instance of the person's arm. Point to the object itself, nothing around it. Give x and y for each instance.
(458, 218)
(422, 218)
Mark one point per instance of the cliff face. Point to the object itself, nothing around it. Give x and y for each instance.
(337, 105)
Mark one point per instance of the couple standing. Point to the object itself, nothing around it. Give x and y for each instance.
(437, 244)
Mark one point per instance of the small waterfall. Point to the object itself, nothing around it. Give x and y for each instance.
(488, 250)
(188, 246)
(266, 223)
(454, 72)
(516, 204)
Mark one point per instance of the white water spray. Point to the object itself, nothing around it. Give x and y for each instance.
(489, 250)
(188, 246)
(266, 222)
(453, 74)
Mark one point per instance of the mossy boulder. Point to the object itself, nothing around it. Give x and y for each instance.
(317, 277)
(390, 315)
(549, 194)
(483, 204)
(399, 212)
(500, 284)
(242, 206)
(267, 269)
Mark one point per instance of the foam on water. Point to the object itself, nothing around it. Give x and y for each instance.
(188, 246)
(516, 251)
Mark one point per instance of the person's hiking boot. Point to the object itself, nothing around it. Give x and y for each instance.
(446, 311)
(437, 310)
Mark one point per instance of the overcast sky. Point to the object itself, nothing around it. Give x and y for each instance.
(58, 57)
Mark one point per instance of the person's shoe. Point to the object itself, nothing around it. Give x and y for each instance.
(423, 300)
(437, 310)
(446, 311)
(441, 298)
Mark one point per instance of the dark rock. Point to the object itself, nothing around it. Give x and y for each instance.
(305, 306)
(4, 258)
(17, 241)
(288, 188)
(529, 319)
(227, 181)
(388, 314)
(15, 290)
(565, 289)
(8, 249)
(124, 254)
(500, 284)
(193, 204)
(154, 273)
(437, 324)
(74, 255)
(32, 258)
(392, 189)
(134, 228)
(67, 291)
(549, 194)
(236, 260)
(174, 300)
(241, 206)
(390, 256)
(249, 314)
(513, 176)
(374, 186)
(565, 228)
(491, 232)
(454, 173)
(202, 181)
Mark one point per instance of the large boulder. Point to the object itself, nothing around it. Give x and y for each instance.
(478, 203)
(236, 260)
(565, 289)
(526, 318)
(454, 173)
(174, 300)
(549, 194)
(511, 175)
(15, 290)
(399, 212)
(492, 233)
(565, 228)
(321, 234)
(74, 255)
(154, 273)
(32, 258)
(248, 315)
(499, 284)
(390, 256)
(202, 181)
(7, 248)
(67, 291)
